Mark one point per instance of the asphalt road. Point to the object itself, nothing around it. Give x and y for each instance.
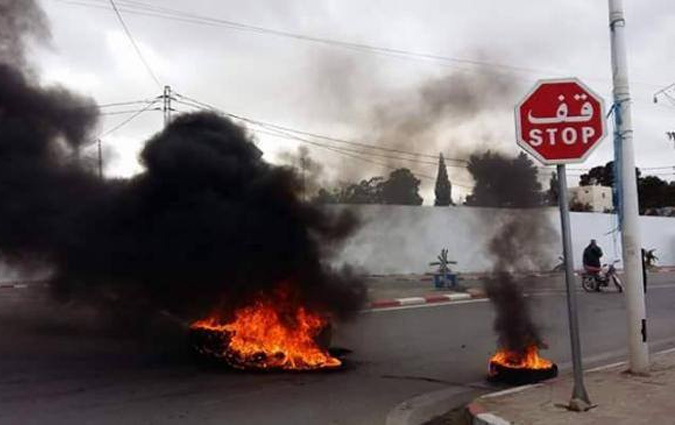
(52, 372)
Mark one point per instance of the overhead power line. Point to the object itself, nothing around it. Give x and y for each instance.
(323, 137)
(161, 12)
(373, 150)
(100, 106)
(292, 134)
(133, 43)
(139, 8)
(121, 124)
(360, 157)
(276, 130)
(128, 111)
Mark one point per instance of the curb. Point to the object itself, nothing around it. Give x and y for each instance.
(479, 416)
(22, 284)
(425, 407)
(427, 299)
(13, 286)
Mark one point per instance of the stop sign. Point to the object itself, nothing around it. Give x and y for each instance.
(560, 121)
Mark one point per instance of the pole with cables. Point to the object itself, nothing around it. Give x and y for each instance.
(166, 105)
(638, 352)
(100, 159)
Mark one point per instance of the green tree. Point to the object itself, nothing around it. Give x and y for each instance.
(401, 188)
(599, 176)
(654, 193)
(504, 182)
(602, 175)
(443, 188)
(366, 192)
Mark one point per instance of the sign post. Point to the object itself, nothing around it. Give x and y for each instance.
(580, 400)
(561, 122)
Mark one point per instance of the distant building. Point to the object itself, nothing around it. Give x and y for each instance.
(599, 198)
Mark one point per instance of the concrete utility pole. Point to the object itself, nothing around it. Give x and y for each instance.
(638, 353)
(166, 105)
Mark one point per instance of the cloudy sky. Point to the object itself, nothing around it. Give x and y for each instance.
(444, 78)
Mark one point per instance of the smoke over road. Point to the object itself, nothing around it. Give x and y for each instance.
(518, 246)
(207, 225)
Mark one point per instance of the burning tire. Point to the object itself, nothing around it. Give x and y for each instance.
(515, 368)
(520, 376)
(273, 333)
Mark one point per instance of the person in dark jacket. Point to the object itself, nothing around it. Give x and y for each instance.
(592, 255)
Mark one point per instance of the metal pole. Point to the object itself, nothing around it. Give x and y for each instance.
(638, 352)
(580, 400)
(100, 159)
(166, 106)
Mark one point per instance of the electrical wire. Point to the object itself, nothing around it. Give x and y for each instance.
(134, 44)
(119, 125)
(355, 154)
(319, 136)
(139, 8)
(361, 158)
(142, 8)
(128, 111)
(290, 133)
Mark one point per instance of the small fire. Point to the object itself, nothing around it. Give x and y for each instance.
(274, 332)
(514, 360)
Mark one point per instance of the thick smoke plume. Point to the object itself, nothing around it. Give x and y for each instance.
(20, 21)
(207, 226)
(517, 247)
(456, 113)
(434, 115)
(310, 171)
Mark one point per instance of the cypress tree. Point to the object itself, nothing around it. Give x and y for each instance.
(443, 187)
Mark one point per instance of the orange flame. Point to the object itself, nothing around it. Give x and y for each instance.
(271, 334)
(514, 360)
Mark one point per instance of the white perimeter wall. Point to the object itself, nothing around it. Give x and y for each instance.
(402, 239)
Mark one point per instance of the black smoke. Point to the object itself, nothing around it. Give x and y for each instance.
(517, 249)
(21, 21)
(518, 246)
(205, 227)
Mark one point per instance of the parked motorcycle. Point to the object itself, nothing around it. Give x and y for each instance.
(594, 282)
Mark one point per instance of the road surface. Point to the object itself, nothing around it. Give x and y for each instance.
(54, 373)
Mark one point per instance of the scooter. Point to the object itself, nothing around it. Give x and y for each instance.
(593, 282)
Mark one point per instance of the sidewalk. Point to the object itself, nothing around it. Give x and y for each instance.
(403, 290)
(620, 398)
(410, 289)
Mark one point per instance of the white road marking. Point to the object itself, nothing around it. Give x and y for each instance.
(457, 297)
(420, 302)
(411, 300)
(427, 305)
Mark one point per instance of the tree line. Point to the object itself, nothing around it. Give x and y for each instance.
(499, 181)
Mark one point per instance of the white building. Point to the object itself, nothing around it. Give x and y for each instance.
(598, 197)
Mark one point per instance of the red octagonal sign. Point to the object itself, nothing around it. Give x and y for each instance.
(560, 121)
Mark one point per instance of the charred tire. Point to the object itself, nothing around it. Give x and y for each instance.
(520, 376)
